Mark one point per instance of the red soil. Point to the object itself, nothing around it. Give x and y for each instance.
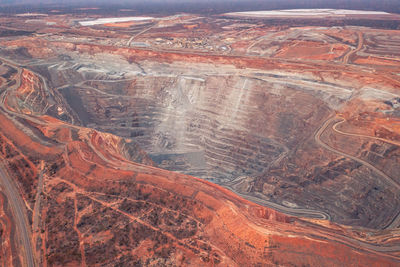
(233, 231)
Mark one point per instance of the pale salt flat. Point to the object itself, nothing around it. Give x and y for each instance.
(31, 15)
(113, 20)
(306, 12)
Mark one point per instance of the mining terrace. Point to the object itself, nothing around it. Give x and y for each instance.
(172, 121)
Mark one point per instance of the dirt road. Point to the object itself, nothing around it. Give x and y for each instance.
(358, 48)
(19, 213)
(394, 223)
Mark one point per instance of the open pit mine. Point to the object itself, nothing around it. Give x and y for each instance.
(236, 139)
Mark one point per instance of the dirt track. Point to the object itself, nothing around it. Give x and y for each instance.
(19, 213)
(317, 137)
(351, 52)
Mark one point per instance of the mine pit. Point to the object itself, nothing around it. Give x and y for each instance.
(249, 133)
(230, 139)
(248, 119)
(186, 124)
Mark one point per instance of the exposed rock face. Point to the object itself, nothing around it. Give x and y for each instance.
(213, 127)
(103, 142)
(96, 209)
(213, 124)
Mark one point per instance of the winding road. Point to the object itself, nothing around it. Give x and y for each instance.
(16, 202)
(308, 213)
(136, 35)
(314, 214)
(358, 48)
(334, 127)
(19, 213)
(395, 222)
(317, 138)
(320, 214)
